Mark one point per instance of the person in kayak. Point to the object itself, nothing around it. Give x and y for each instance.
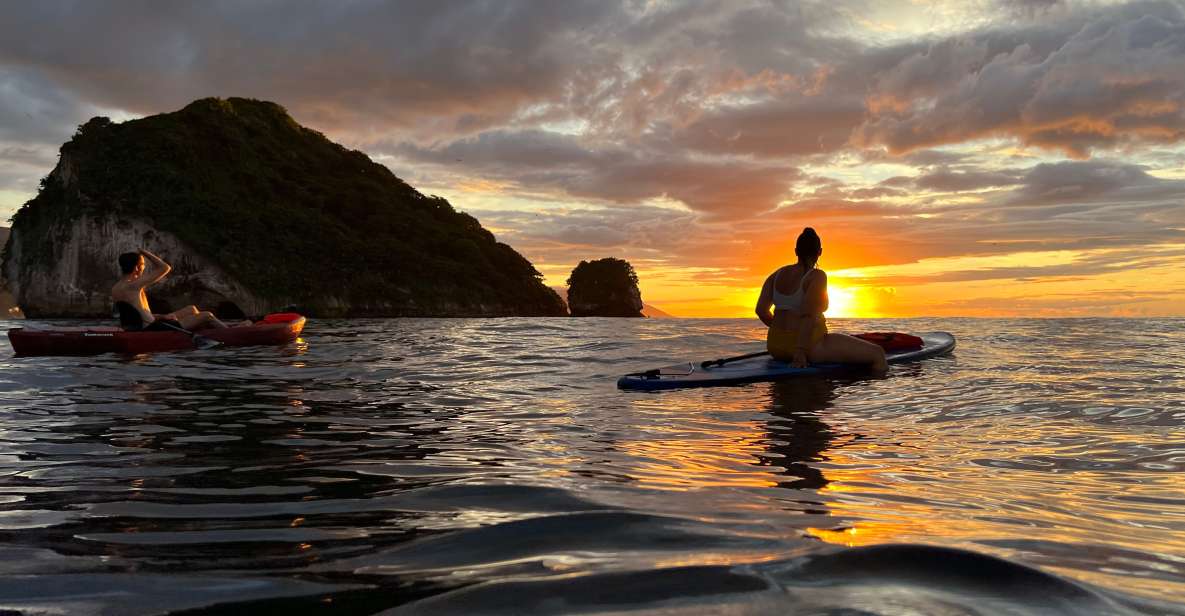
(797, 329)
(134, 314)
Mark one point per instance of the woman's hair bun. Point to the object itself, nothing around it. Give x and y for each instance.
(808, 245)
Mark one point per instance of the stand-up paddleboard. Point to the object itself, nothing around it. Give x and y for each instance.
(765, 368)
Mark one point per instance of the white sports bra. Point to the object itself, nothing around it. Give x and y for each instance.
(792, 301)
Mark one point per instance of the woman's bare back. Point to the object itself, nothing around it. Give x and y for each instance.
(133, 294)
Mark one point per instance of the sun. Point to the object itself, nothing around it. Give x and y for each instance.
(841, 302)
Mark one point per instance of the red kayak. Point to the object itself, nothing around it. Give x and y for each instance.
(95, 340)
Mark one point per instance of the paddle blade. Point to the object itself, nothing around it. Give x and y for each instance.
(202, 342)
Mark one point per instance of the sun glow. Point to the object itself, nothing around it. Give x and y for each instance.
(842, 302)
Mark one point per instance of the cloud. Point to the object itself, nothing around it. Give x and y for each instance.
(1000, 81)
(346, 67)
(916, 158)
(644, 233)
(1115, 221)
(947, 180)
(1095, 181)
(806, 125)
(1029, 8)
(1126, 303)
(539, 160)
(753, 118)
(507, 150)
(1098, 261)
(1096, 79)
(34, 109)
(877, 192)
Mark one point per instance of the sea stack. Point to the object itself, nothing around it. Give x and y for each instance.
(604, 288)
(255, 213)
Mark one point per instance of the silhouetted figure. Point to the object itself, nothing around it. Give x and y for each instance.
(797, 329)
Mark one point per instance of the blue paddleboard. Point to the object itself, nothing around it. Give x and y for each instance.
(765, 368)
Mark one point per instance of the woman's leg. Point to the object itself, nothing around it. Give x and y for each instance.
(201, 320)
(841, 348)
(187, 311)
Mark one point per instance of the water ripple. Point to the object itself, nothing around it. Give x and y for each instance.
(457, 465)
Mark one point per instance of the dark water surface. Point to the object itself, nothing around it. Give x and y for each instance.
(462, 466)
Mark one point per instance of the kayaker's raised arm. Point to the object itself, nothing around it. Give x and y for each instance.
(160, 269)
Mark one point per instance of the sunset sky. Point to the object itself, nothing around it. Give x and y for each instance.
(977, 158)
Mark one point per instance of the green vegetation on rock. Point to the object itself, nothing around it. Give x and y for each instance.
(285, 212)
(604, 288)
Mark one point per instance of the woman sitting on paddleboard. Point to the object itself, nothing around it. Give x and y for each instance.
(797, 330)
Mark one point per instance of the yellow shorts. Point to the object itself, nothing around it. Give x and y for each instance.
(781, 343)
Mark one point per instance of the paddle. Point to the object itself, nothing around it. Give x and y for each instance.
(724, 360)
(199, 341)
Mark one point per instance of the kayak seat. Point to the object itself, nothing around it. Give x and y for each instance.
(893, 341)
(131, 321)
(129, 317)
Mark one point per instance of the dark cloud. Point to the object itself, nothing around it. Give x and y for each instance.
(948, 180)
(716, 188)
(342, 66)
(36, 110)
(876, 192)
(767, 79)
(508, 151)
(808, 125)
(1093, 182)
(1098, 78)
(537, 160)
(567, 236)
(898, 181)
(1029, 8)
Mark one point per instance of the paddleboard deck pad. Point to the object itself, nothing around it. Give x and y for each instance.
(765, 368)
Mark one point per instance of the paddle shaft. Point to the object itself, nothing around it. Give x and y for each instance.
(198, 340)
(724, 360)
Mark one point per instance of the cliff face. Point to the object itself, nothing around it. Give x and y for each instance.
(8, 307)
(82, 268)
(256, 214)
(648, 310)
(604, 288)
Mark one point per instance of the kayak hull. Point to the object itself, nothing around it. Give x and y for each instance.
(765, 368)
(97, 340)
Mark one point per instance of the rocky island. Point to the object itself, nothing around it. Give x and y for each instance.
(604, 288)
(256, 214)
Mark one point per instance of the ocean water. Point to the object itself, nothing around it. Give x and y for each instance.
(491, 466)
